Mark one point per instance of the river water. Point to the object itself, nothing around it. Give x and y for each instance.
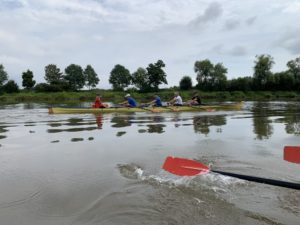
(107, 169)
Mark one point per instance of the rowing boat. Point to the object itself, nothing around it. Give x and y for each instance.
(221, 107)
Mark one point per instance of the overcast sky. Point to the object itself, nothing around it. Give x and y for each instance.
(134, 33)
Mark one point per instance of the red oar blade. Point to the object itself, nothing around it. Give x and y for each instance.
(184, 167)
(292, 154)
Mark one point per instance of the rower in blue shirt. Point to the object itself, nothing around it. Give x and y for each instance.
(156, 101)
(130, 102)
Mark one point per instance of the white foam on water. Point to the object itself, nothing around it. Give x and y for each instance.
(218, 183)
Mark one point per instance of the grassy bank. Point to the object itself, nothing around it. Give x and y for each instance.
(112, 96)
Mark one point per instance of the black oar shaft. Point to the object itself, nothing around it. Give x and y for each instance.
(261, 180)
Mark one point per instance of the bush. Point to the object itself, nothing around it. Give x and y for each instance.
(11, 87)
(223, 94)
(238, 94)
(61, 97)
(185, 83)
(267, 95)
(3, 99)
(41, 87)
(44, 87)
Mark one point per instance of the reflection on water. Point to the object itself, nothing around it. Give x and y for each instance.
(158, 128)
(3, 129)
(121, 133)
(121, 121)
(264, 112)
(77, 139)
(76, 129)
(202, 123)
(99, 121)
(264, 116)
(29, 124)
(77, 124)
(158, 119)
(261, 122)
(29, 105)
(292, 124)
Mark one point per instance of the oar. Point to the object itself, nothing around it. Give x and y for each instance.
(154, 110)
(187, 167)
(116, 106)
(292, 154)
(172, 109)
(199, 106)
(146, 107)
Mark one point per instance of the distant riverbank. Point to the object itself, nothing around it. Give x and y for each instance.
(166, 95)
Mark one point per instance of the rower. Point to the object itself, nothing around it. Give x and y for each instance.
(98, 102)
(177, 100)
(156, 102)
(130, 102)
(196, 100)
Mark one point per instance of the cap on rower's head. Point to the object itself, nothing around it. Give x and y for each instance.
(127, 95)
(176, 93)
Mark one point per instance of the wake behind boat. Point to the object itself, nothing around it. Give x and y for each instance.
(220, 107)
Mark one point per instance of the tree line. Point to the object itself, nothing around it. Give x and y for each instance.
(209, 77)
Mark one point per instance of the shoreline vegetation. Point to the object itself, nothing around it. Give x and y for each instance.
(212, 84)
(166, 95)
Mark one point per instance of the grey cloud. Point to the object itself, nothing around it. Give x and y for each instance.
(115, 5)
(10, 4)
(217, 48)
(235, 51)
(213, 11)
(290, 41)
(251, 20)
(238, 51)
(292, 45)
(231, 24)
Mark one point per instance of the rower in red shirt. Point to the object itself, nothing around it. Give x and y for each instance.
(98, 103)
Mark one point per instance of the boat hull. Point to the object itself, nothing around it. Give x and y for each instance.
(221, 107)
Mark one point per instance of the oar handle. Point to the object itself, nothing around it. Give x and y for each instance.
(279, 183)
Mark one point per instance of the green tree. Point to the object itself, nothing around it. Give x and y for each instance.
(156, 74)
(119, 77)
(204, 70)
(91, 77)
(294, 70)
(185, 83)
(218, 79)
(74, 76)
(53, 74)
(42, 87)
(262, 70)
(27, 80)
(240, 84)
(3, 75)
(285, 81)
(141, 80)
(210, 76)
(11, 87)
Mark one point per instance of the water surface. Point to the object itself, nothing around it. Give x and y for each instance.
(106, 169)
